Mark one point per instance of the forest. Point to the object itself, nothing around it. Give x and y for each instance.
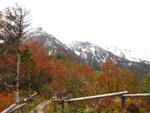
(26, 66)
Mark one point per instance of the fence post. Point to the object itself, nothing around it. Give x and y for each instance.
(123, 105)
(62, 102)
(62, 106)
(23, 109)
(54, 103)
(69, 104)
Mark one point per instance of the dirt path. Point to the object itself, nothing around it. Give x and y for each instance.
(39, 108)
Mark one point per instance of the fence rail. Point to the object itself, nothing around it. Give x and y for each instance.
(17, 106)
(30, 97)
(9, 108)
(137, 95)
(131, 96)
(68, 99)
(97, 96)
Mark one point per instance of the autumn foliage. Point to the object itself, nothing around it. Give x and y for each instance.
(41, 71)
(6, 98)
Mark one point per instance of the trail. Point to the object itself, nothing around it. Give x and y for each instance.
(39, 107)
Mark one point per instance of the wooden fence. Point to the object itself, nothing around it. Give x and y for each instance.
(131, 96)
(20, 106)
(69, 100)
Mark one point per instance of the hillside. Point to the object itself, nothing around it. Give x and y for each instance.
(53, 45)
(88, 53)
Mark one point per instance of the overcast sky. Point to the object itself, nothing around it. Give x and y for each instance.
(125, 23)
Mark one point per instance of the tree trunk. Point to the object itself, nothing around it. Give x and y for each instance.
(17, 76)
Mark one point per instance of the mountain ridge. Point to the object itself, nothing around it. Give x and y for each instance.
(87, 53)
(135, 54)
(94, 55)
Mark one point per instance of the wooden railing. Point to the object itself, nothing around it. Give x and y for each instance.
(20, 106)
(69, 100)
(131, 96)
(97, 96)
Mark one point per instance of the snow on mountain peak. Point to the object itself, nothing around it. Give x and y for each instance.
(89, 51)
(101, 53)
(135, 54)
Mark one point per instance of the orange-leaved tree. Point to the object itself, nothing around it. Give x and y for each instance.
(109, 78)
(6, 98)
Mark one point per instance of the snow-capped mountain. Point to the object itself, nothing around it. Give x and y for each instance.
(52, 44)
(136, 54)
(86, 52)
(94, 55)
(90, 53)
